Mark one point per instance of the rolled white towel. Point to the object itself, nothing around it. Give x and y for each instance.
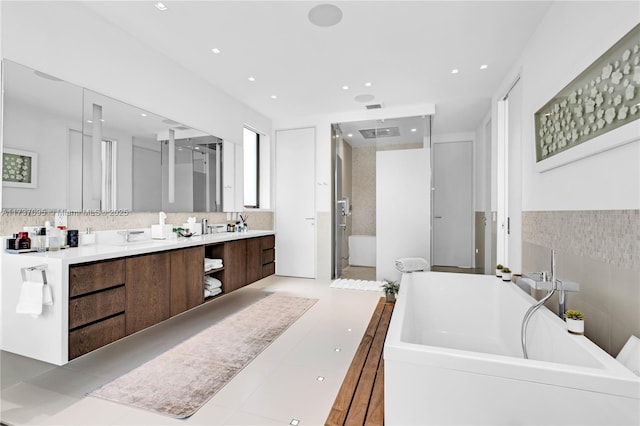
(31, 298)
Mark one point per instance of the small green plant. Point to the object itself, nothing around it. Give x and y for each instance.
(574, 315)
(499, 267)
(506, 270)
(390, 287)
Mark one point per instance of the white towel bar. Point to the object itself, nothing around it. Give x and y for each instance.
(41, 268)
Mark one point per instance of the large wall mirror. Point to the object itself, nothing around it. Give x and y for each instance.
(66, 147)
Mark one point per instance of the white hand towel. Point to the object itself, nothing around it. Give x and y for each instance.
(31, 297)
(47, 295)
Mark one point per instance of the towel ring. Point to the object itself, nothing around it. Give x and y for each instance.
(41, 268)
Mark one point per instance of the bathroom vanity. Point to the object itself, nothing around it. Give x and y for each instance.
(104, 292)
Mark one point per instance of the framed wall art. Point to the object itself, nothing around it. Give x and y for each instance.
(19, 168)
(603, 98)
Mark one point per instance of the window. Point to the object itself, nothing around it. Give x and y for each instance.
(257, 178)
(251, 169)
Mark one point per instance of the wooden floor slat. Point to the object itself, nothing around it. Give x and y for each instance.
(361, 397)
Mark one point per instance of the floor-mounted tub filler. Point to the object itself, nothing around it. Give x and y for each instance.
(453, 355)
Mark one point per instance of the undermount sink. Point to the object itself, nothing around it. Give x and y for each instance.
(143, 242)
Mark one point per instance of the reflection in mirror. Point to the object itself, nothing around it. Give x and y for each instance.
(43, 115)
(198, 166)
(60, 123)
(355, 174)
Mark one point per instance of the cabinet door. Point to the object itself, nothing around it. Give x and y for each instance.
(235, 259)
(254, 260)
(148, 290)
(187, 286)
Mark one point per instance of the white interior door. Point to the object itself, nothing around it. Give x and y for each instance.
(453, 204)
(295, 203)
(514, 179)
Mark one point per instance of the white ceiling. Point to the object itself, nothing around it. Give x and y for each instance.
(405, 49)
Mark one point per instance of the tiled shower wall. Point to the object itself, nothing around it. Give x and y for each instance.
(11, 222)
(600, 250)
(364, 191)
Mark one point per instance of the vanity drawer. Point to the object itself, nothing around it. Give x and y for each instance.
(268, 256)
(95, 276)
(268, 242)
(86, 339)
(86, 309)
(268, 269)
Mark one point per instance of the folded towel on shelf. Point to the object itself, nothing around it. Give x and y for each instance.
(212, 263)
(31, 298)
(213, 292)
(211, 283)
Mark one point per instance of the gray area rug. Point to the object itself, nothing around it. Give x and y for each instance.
(180, 381)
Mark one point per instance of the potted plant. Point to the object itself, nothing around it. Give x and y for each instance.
(499, 270)
(390, 289)
(506, 274)
(575, 321)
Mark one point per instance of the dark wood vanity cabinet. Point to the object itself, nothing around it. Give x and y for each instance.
(260, 258)
(111, 299)
(97, 303)
(148, 290)
(187, 281)
(235, 265)
(268, 255)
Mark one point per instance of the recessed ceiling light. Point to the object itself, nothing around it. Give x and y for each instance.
(89, 121)
(349, 135)
(216, 50)
(455, 71)
(320, 378)
(345, 87)
(367, 84)
(274, 97)
(197, 147)
(294, 422)
(337, 349)
(325, 15)
(414, 130)
(160, 6)
(484, 66)
(251, 79)
(348, 329)
(143, 114)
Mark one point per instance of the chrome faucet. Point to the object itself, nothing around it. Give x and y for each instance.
(127, 234)
(546, 281)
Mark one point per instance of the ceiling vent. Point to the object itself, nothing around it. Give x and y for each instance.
(381, 132)
(374, 106)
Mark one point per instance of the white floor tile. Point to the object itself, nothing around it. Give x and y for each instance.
(276, 387)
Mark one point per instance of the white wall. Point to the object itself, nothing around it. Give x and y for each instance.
(569, 39)
(49, 141)
(68, 40)
(403, 214)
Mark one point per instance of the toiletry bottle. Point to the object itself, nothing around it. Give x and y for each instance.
(47, 233)
(23, 242)
(63, 235)
(11, 242)
(41, 240)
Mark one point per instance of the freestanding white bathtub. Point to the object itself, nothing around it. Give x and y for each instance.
(453, 356)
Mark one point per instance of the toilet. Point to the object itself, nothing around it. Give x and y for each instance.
(362, 250)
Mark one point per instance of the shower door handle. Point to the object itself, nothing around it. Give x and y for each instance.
(437, 217)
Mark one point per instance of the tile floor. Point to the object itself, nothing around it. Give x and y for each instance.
(280, 385)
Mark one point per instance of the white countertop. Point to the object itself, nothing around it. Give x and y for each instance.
(103, 251)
